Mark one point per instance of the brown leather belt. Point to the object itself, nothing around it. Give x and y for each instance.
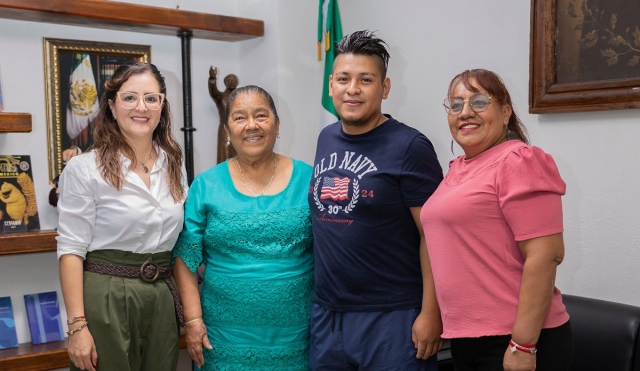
(149, 271)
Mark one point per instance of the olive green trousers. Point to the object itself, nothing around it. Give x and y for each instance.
(133, 323)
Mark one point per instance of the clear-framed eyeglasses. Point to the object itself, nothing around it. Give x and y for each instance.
(477, 103)
(153, 101)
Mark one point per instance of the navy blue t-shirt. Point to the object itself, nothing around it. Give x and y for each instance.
(366, 242)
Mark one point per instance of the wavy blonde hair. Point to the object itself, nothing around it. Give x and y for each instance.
(108, 141)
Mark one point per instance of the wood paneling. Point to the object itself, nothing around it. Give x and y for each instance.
(15, 122)
(28, 242)
(29, 357)
(132, 17)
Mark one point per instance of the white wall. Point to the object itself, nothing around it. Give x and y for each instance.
(22, 73)
(597, 152)
(430, 42)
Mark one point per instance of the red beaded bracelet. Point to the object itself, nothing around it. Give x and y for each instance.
(526, 348)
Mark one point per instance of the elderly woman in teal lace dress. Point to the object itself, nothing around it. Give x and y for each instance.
(247, 219)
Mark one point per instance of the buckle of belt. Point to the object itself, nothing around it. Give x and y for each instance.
(144, 266)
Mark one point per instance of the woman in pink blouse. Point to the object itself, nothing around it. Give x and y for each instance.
(494, 234)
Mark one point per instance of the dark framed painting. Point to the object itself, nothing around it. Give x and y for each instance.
(584, 55)
(75, 72)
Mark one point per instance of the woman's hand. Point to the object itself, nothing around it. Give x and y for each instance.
(425, 335)
(196, 337)
(82, 350)
(518, 361)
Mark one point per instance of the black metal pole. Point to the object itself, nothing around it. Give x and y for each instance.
(186, 100)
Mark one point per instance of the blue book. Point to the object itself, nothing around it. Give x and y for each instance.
(44, 317)
(8, 337)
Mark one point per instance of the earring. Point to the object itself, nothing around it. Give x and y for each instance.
(278, 135)
(510, 134)
(452, 147)
(228, 141)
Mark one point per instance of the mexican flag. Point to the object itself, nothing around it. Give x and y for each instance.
(83, 100)
(329, 29)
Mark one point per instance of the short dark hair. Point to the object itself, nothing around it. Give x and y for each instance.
(248, 89)
(365, 43)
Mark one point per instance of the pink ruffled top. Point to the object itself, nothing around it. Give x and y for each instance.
(472, 223)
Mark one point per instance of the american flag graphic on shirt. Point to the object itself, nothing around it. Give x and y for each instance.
(335, 188)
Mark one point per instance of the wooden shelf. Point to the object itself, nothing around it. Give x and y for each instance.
(132, 17)
(28, 242)
(29, 357)
(15, 122)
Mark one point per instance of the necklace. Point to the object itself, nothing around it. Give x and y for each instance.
(144, 167)
(268, 184)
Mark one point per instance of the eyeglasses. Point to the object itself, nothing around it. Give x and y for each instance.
(477, 103)
(153, 101)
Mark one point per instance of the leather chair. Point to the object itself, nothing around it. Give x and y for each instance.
(445, 363)
(606, 335)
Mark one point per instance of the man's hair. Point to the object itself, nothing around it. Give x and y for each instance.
(365, 43)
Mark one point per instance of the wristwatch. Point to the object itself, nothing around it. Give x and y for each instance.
(72, 320)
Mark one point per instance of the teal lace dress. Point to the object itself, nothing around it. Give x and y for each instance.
(258, 278)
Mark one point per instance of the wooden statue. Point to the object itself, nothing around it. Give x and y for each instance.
(225, 149)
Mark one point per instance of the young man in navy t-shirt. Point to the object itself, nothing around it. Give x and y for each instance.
(374, 303)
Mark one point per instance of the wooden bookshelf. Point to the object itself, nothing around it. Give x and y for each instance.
(132, 17)
(15, 122)
(28, 242)
(108, 15)
(29, 357)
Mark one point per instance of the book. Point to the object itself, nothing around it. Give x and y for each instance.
(43, 313)
(8, 336)
(18, 207)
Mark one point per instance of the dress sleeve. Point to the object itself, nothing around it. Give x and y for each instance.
(76, 209)
(421, 172)
(190, 242)
(529, 188)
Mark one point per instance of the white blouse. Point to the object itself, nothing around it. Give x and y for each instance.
(95, 216)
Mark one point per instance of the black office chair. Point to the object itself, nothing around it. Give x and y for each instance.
(605, 334)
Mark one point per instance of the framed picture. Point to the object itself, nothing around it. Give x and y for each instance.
(584, 55)
(75, 72)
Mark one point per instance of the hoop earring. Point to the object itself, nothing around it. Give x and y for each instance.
(452, 147)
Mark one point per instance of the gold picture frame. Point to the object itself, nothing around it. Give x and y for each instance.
(63, 96)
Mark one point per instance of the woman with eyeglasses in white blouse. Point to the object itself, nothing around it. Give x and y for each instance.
(120, 213)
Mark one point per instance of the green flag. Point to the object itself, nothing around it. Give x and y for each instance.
(329, 29)
(83, 101)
